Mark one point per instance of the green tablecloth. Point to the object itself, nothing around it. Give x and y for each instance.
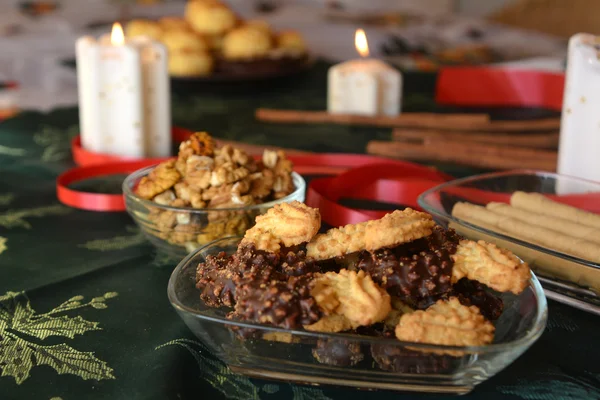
(83, 306)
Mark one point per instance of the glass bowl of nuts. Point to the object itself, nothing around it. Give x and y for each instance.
(207, 193)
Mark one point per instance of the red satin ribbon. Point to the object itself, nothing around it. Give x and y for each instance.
(496, 86)
(393, 181)
(358, 176)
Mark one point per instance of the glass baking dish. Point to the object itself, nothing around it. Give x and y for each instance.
(364, 362)
(565, 278)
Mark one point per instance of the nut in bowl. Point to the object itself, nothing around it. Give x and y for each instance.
(397, 303)
(207, 193)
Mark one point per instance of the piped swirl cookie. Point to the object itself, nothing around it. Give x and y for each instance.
(287, 224)
(393, 229)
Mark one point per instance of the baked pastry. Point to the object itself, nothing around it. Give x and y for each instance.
(400, 276)
(291, 42)
(246, 43)
(447, 322)
(142, 27)
(173, 23)
(190, 63)
(210, 18)
(259, 24)
(178, 40)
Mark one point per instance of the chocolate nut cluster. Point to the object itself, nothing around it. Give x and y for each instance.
(218, 179)
(414, 288)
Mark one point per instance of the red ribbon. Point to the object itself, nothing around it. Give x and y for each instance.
(495, 86)
(360, 176)
(355, 176)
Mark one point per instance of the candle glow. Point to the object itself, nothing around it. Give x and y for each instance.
(361, 43)
(117, 37)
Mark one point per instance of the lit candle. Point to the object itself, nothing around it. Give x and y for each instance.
(124, 101)
(579, 148)
(364, 86)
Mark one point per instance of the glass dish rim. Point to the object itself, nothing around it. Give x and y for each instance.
(480, 177)
(298, 180)
(531, 336)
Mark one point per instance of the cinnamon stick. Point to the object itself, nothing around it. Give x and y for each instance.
(431, 120)
(452, 122)
(469, 154)
(537, 140)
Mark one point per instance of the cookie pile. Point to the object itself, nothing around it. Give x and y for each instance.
(217, 179)
(400, 276)
(211, 38)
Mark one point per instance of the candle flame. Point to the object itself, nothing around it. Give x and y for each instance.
(360, 41)
(117, 37)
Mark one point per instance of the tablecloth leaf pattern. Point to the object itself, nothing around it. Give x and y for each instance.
(90, 345)
(233, 386)
(20, 325)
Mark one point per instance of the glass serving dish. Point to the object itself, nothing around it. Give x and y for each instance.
(179, 230)
(274, 353)
(565, 278)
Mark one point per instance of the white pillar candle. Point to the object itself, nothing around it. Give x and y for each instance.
(124, 96)
(579, 148)
(364, 86)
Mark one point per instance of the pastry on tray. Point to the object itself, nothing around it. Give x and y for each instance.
(537, 219)
(400, 276)
(211, 39)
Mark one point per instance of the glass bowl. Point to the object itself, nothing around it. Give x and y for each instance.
(274, 353)
(179, 230)
(568, 279)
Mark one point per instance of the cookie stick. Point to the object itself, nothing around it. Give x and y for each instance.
(533, 234)
(538, 203)
(558, 224)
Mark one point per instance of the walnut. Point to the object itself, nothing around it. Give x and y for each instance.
(237, 225)
(188, 193)
(165, 221)
(238, 193)
(228, 153)
(261, 184)
(269, 158)
(211, 232)
(184, 233)
(161, 178)
(217, 195)
(197, 163)
(200, 144)
(199, 179)
(180, 203)
(226, 173)
(165, 198)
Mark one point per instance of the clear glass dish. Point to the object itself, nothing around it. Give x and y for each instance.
(568, 279)
(178, 230)
(280, 354)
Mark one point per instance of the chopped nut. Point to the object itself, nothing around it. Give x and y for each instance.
(184, 233)
(226, 173)
(188, 193)
(270, 158)
(238, 193)
(183, 218)
(162, 178)
(220, 179)
(196, 163)
(165, 198)
(261, 184)
(200, 144)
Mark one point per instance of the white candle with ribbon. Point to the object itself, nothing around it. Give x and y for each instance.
(124, 97)
(364, 86)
